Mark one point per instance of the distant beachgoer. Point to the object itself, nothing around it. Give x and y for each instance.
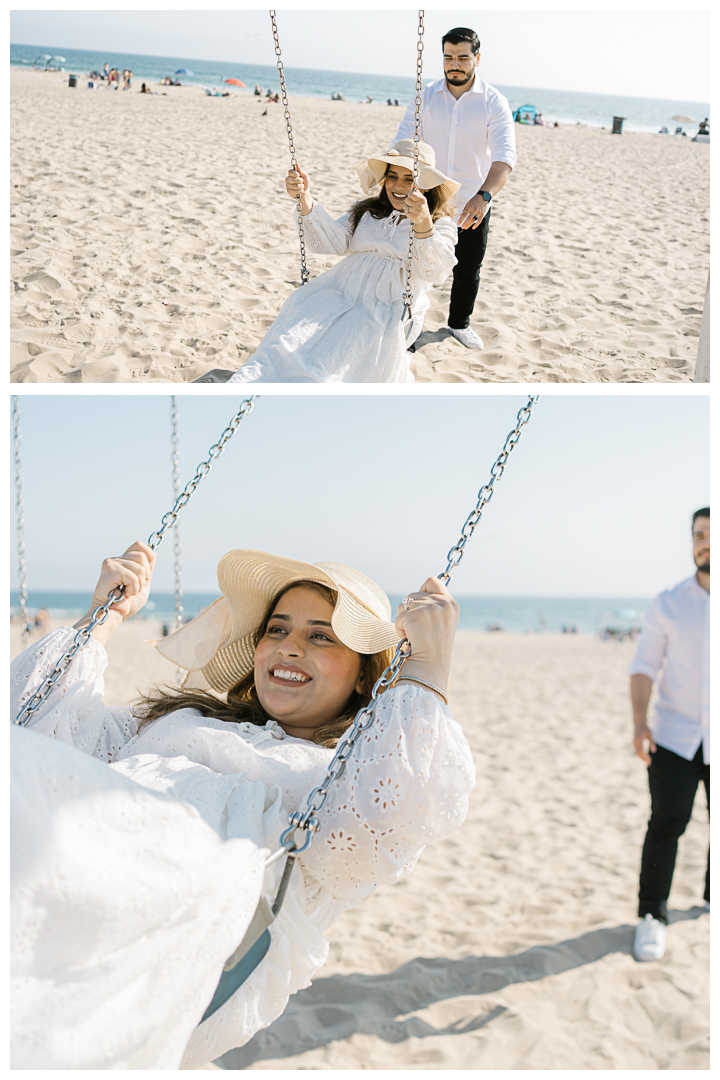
(469, 125)
(106, 71)
(144, 89)
(675, 644)
(540, 119)
(368, 100)
(396, 102)
(346, 324)
(258, 90)
(389, 101)
(704, 127)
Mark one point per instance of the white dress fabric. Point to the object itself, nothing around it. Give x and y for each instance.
(345, 324)
(406, 785)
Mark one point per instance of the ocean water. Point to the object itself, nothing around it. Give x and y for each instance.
(595, 110)
(512, 614)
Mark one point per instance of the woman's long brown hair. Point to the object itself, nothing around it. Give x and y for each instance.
(242, 704)
(380, 206)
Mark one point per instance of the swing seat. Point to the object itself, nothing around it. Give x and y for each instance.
(217, 375)
(231, 980)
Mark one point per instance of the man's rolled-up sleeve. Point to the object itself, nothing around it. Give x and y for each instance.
(652, 644)
(501, 131)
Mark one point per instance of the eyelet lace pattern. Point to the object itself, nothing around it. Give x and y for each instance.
(344, 325)
(407, 784)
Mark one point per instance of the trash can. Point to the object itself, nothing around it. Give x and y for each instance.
(617, 124)
(72, 81)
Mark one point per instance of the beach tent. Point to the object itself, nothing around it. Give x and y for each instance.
(525, 114)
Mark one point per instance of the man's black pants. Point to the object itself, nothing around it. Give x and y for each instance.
(673, 783)
(469, 252)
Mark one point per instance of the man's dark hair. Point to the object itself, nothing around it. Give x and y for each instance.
(705, 512)
(461, 33)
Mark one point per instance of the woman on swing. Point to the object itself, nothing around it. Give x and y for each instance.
(276, 670)
(346, 324)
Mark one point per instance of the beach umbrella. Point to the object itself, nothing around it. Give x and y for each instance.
(685, 119)
(235, 82)
(184, 71)
(60, 58)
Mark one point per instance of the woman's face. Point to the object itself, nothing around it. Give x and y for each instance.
(398, 185)
(304, 675)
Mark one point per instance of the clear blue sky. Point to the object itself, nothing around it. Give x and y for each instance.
(596, 499)
(644, 53)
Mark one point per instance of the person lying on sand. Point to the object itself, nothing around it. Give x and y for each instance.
(277, 670)
(346, 324)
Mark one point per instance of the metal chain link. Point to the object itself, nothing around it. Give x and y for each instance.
(485, 493)
(20, 521)
(100, 613)
(408, 294)
(306, 820)
(177, 544)
(304, 273)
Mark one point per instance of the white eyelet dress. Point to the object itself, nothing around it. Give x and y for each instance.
(138, 861)
(345, 324)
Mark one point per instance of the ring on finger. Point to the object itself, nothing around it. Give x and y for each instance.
(406, 601)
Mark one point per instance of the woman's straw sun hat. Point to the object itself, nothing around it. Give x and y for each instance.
(218, 647)
(371, 172)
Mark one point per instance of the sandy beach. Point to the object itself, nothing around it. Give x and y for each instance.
(152, 240)
(509, 945)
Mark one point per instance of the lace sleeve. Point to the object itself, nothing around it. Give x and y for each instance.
(434, 258)
(323, 234)
(74, 711)
(406, 784)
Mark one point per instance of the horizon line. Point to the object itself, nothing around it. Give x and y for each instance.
(332, 71)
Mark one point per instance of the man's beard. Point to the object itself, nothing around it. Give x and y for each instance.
(459, 79)
(704, 568)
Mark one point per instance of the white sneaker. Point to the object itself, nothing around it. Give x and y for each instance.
(467, 337)
(649, 943)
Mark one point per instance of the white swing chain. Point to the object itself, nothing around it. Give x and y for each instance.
(101, 612)
(20, 521)
(304, 273)
(307, 820)
(408, 294)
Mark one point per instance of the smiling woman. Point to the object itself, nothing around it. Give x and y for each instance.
(346, 324)
(277, 669)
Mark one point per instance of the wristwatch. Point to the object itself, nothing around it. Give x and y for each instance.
(486, 195)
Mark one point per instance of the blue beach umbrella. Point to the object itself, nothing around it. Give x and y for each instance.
(184, 71)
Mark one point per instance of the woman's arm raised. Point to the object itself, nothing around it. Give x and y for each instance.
(133, 572)
(409, 778)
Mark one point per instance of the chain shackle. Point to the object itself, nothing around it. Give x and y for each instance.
(408, 294)
(100, 613)
(20, 521)
(304, 272)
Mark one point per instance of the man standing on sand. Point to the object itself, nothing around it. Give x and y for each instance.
(470, 127)
(677, 634)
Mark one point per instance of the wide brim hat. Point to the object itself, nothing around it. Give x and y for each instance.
(217, 649)
(371, 172)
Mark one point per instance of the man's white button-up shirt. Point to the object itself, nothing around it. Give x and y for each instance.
(467, 133)
(676, 638)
